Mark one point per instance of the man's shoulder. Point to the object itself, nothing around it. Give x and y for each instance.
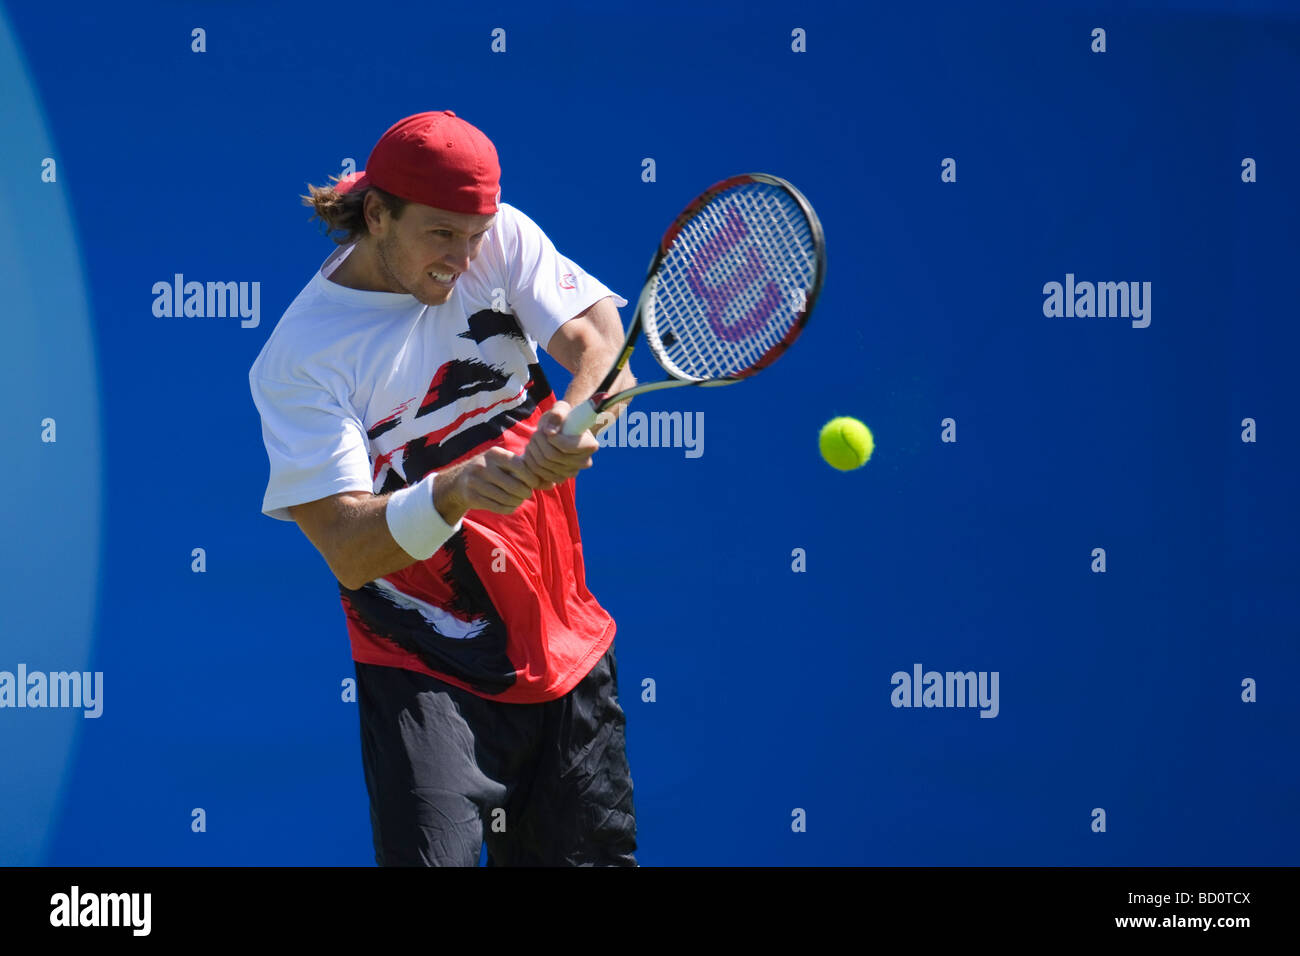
(301, 334)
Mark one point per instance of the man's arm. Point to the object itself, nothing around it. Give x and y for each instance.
(587, 345)
(350, 530)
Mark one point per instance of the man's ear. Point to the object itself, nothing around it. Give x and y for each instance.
(375, 213)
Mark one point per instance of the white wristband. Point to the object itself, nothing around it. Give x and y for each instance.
(414, 522)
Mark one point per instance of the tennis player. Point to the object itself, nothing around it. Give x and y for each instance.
(414, 438)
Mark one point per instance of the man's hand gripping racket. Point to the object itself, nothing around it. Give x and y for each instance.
(729, 289)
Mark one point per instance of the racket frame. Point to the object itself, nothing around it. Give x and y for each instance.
(581, 418)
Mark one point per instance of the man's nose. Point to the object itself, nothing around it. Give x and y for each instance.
(458, 255)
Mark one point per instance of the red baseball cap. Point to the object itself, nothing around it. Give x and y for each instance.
(435, 159)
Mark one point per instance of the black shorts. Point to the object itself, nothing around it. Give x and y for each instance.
(541, 784)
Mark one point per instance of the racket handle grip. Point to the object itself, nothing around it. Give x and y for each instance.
(580, 418)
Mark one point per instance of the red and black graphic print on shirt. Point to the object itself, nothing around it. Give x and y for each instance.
(443, 612)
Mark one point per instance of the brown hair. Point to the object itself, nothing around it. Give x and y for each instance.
(346, 213)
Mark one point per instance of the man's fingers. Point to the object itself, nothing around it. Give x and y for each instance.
(579, 445)
(550, 476)
(492, 499)
(569, 455)
(510, 485)
(500, 482)
(502, 489)
(505, 480)
(553, 419)
(541, 467)
(521, 467)
(516, 466)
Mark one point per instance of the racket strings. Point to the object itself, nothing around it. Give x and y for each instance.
(733, 284)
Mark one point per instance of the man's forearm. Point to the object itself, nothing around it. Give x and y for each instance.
(592, 368)
(593, 364)
(590, 356)
(370, 551)
(579, 393)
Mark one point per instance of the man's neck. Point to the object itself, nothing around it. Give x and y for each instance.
(356, 271)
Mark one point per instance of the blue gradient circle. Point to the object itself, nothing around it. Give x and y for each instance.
(49, 560)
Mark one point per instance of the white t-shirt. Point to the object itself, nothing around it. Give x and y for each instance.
(368, 391)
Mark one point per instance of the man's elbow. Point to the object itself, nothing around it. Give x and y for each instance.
(349, 573)
(351, 582)
(336, 556)
(327, 524)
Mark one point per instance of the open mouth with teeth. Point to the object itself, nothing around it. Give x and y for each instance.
(445, 278)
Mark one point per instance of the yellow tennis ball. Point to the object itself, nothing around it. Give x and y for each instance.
(846, 443)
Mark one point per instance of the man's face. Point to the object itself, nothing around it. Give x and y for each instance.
(424, 253)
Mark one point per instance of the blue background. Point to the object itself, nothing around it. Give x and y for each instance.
(1119, 690)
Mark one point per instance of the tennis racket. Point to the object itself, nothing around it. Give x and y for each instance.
(729, 289)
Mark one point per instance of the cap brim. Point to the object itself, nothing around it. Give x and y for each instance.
(352, 181)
